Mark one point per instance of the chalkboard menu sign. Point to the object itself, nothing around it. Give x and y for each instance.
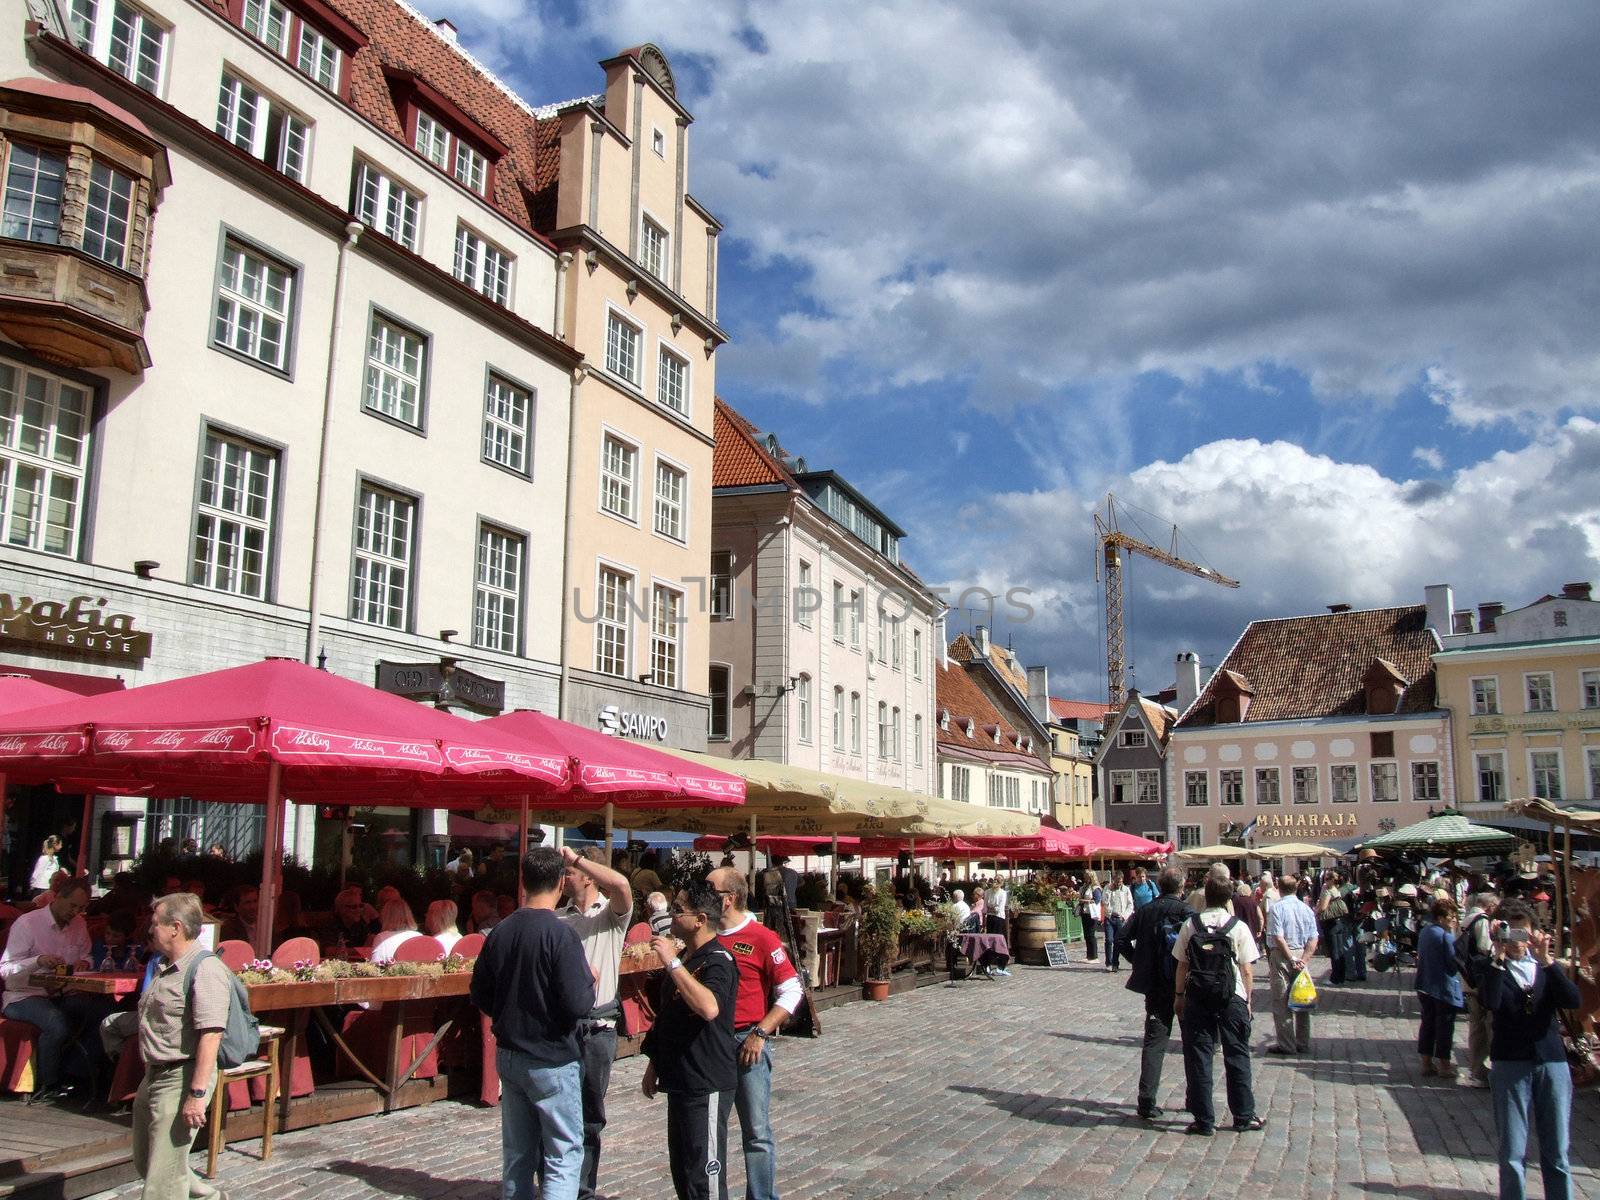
(1055, 953)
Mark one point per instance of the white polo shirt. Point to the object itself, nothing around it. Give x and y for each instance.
(1244, 946)
(602, 930)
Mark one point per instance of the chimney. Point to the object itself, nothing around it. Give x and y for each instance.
(1188, 679)
(1487, 614)
(1039, 693)
(1461, 621)
(1575, 591)
(982, 634)
(446, 28)
(1440, 600)
(1338, 608)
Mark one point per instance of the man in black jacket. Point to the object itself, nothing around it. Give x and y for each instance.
(1146, 941)
(1523, 988)
(533, 982)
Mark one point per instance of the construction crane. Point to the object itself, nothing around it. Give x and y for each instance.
(1110, 542)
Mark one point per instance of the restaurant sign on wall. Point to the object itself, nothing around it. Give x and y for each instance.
(1298, 826)
(82, 625)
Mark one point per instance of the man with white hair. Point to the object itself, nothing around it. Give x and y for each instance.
(958, 901)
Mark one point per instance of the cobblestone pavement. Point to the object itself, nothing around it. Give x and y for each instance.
(1021, 1088)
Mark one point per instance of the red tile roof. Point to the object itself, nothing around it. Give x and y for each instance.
(1078, 710)
(964, 700)
(740, 460)
(965, 649)
(1301, 668)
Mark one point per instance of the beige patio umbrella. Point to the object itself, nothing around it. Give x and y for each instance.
(1295, 850)
(1213, 853)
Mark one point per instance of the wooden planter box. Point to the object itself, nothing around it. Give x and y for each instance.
(269, 997)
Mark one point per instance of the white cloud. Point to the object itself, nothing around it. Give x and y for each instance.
(1299, 530)
(1076, 193)
(1428, 456)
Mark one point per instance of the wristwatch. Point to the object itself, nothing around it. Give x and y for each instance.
(675, 964)
(198, 1093)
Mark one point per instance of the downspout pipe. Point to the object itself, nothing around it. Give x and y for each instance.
(352, 234)
(567, 633)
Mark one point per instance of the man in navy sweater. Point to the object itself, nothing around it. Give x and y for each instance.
(532, 980)
(1523, 988)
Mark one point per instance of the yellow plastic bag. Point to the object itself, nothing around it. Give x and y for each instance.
(1303, 993)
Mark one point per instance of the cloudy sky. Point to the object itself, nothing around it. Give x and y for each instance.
(1318, 283)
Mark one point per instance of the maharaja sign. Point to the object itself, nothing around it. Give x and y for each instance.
(1299, 824)
(81, 625)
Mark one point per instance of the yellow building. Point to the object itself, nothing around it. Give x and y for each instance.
(1075, 728)
(1523, 690)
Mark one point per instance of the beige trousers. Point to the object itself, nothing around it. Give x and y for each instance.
(1480, 1028)
(1292, 1027)
(161, 1137)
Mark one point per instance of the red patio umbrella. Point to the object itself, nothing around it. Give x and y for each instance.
(273, 729)
(1098, 841)
(18, 693)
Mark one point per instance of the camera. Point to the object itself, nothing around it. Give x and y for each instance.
(1506, 934)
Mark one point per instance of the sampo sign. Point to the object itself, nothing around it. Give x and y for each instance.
(81, 625)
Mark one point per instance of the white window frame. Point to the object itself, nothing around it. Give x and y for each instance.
(50, 515)
(670, 501)
(269, 22)
(1591, 756)
(236, 498)
(896, 729)
(881, 654)
(1302, 773)
(623, 336)
(95, 29)
(1438, 781)
(654, 251)
(883, 730)
(1196, 789)
(1122, 788)
(855, 723)
(802, 703)
(431, 139)
(1485, 701)
(38, 219)
(916, 745)
(482, 265)
(855, 618)
(1496, 760)
(666, 635)
(838, 612)
(961, 784)
(1373, 780)
(896, 643)
(318, 57)
(470, 168)
(619, 493)
(1529, 696)
(507, 442)
(499, 583)
(396, 374)
(802, 595)
(1133, 739)
(1589, 693)
(108, 214)
(1353, 774)
(247, 117)
(1147, 785)
(1534, 772)
(246, 307)
(838, 718)
(658, 141)
(916, 654)
(721, 585)
(1223, 790)
(376, 568)
(613, 621)
(387, 206)
(1188, 837)
(673, 379)
(1260, 775)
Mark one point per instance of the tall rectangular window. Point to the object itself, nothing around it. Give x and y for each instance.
(432, 141)
(855, 619)
(263, 127)
(721, 585)
(396, 364)
(802, 596)
(838, 612)
(855, 722)
(1196, 789)
(666, 624)
(671, 487)
(1122, 788)
(1491, 772)
(1230, 787)
(1268, 790)
(497, 597)
(1540, 687)
(653, 248)
(916, 740)
(385, 548)
(472, 168)
(896, 645)
(672, 381)
(124, 37)
(1303, 785)
(233, 521)
(35, 181)
(611, 623)
(1589, 689)
(883, 730)
(482, 266)
(107, 210)
(1485, 696)
(507, 409)
(916, 654)
(838, 718)
(883, 635)
(1425, 781)
(622, 348)
(1344, 783)
(961, 784)
(717, 730)
(254, 295)
(268, 22)
(1148, 781)
(1593, 756)
(802, 703)
(386, 206)
(895, 731)
(44, 449)
(619, 467)
(1544, 774)
(1385, 782)
(1188, 837)
(318, 57)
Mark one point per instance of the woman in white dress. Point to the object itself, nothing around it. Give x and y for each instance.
(440, 923)
(396, 925)
(46, 865)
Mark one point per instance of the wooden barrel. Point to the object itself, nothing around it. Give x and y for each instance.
(1033, 930)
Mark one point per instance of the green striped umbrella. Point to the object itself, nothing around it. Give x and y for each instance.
(1449, 834)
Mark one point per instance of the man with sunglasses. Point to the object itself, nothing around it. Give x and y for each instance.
(769, 993)
(690, 1046)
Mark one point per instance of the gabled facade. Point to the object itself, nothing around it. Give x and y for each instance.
(991, 750)
(1130, 766)
(1317, 728)
(1523, 692)
(823, 642)
(1077, 728)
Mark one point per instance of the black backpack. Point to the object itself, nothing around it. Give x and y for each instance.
(1471, 961)
(1211, 963)
(241, 1037)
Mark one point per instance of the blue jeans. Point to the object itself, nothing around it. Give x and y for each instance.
(541, 1109)
(1546, 1088)
(752, 1099)
(70, 1020)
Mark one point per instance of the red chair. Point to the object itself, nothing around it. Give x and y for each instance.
(367, 1033)
(470, 945)
(235, 953)
(638, 934)
(419, 950)
(17, 1042)
(300, 949)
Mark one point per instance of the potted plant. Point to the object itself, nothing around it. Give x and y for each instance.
(878, 940)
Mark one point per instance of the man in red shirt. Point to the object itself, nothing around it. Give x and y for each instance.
(769, 993)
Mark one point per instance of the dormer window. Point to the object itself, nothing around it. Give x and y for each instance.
(263, 127)
(451, 153)
(316, 42)
(444, 134)
(967, 726)
(944, 719)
